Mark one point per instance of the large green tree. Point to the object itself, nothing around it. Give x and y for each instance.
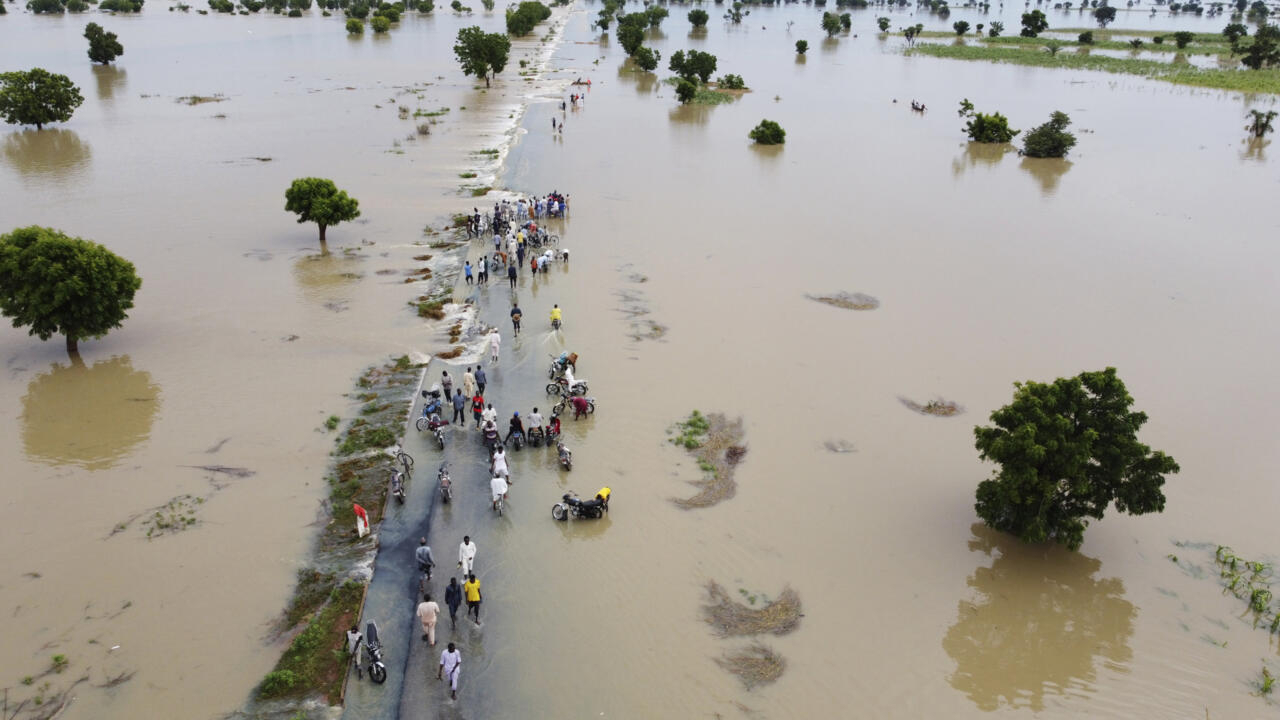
(37, 97)
(630, 36)
(698, 17)
(103, 45)
(481, 53)
(522, 18)
(60, 285)
(693, 65)
(1066, 450)
(1034, 23)
(319, 201)
(830, 23)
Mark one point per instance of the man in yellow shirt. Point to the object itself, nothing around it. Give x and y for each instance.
(471, 588)
(555, 316)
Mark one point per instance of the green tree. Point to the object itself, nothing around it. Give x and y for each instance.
(481, 53)
(522, 19)
(1264, 51)
(883, 23)
(630, 37)
(103, 45)
(355, 26)
(983, 128)
(768, 132)
(997, 27)
(685, 91)
(655, 14)
(647, 59)
(1182, 38)
(1260, 122)
(60, 285)
(731, 82)
(1233, 33)
(830, 24)
(846, 21)
(357, 10)
(1033, 23)
(1104, 15)
(37, 97)
(1050, 140)
(735, 13)
(380, 24)
(961, 27)
(802, 46)
(46, 7)
(1066, 450)
(1085, 38)
(692, 65)
(319, 201)
(698, 18)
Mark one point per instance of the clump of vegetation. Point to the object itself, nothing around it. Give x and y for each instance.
(802, 47)
(847, 300)
(768, 132)
(1050, 140)
(698, 17)
(686, 91)
(332, 422)
(173, 517)
(647, 59)
(754, 665)
(731, 82)
(103, 46)
(355, 26)
(200, 99)
(380, 24)
(1259, 122)
(716, 444)
(693, 66)
(961, 27)
(728, 617)
(1085, 38)
(983, 128)
(317, 658)
(522, 19)
(1033, 23)
(937, 407)
(313, 589)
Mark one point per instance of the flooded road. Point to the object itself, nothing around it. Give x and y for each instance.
(1148, 249)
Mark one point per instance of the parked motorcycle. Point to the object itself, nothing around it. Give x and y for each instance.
(558, 364)
(571, 506)
(446, 485)
(565, 455)
(561, 387)
(559, 407)
(373, 655)
(397, 485)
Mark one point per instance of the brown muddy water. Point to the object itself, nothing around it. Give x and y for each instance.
(1149, 249)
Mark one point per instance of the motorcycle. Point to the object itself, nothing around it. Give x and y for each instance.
(446, 486)
(397, 485)
(434, 423)
(553, 431)
(558, 364)
(571, 506)
(491, 441)
(561, 387)
(516, 440)
(373, 655)
(559, 407)
(565, 455)
(536, 436)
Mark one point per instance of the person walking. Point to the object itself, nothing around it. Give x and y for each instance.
(451, 665)
(495, 339)
(477, 407)
(424, 558)
(466, 555)
(516, 314)
(466, 269)
(511, 275)
(468, 382)
(484, 272)
(471, 588)
(520, 256)
(480, 380)
(446, 384)
(428, 611)
(453, 598)
(459, 408)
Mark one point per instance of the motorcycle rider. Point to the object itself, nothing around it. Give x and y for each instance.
(489, 415)
(535, 424)
(556, 315)
(515, 427)
(553, 427)
(562, 451)
(498, 487)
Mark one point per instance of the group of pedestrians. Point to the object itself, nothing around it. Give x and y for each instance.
(428, 611)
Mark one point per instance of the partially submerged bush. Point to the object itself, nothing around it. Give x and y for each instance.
(1050, 140)
(355, 26)
(768, 132)
(732, 82)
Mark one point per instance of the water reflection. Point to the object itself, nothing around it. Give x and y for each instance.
(830, 45)
(54, 152)
(646, 82)
(88, 416)
(321, 276)
(1254, 150)
(691, 114)
(1048, 171)
(110, 79)
(984, 155)
(584, 529)
(768, 153)
(1041, 622)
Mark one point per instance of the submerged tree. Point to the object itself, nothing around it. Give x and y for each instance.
(692, 65)
(802, 46)
(1066, 451)
(1050, 140)
(1033, 23)
(1264, 51)
(685, 91)
(481, 53)
(61, 285)
(37, 97)
(883, 24)
(698, 17)
(1104, 15)
(103, 45)
(319, 201)
(647, 59)
(1259, 122)
(960, 26)
(997, 27)
(768, 132)
(983, 128)
(830, 24)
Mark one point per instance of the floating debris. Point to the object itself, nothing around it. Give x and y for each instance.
(754, 665)
(717, 444)
(938, 407)
(848, 301)
(839, 446)
(727, 617)
(226, 470)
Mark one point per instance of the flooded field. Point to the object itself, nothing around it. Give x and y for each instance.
(693, 258)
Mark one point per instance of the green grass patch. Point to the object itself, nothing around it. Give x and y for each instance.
(332, 422)
(1257, 81)
(431, 309)
(312, 590)
(317, 659)
(1104, 41)
(690, 433)
(466, 175)
(479, 191)
(431, 114)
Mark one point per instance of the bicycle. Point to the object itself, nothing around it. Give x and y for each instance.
(405, 460)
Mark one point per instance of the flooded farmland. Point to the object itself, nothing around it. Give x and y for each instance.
(693, 258)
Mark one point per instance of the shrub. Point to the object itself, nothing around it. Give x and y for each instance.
(646, 59)
(522, 19)
(802, 46)
(993, 128)
(961, 27)
(277, 682)
(1086, 37)
(768, 132)
(355, 27)
(698, 18)
(358, 10)
(685, 91)
(996, 28)
(380, 24)
(1050, 140)
(732, 82)
(1182, 38)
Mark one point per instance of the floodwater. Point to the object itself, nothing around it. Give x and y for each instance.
(1148, 249)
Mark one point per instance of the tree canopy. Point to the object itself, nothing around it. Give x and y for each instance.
(319, 201)
(37, 97)
(692, 65)
(1104, 15)
(1050, 140)
(830, 23)
(481, 53)
(647, 59)
(63, 285)
(103, 45)
(698, 17)
(522, 19)
(1033, 23)
(1066, 451)
(768, 132)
